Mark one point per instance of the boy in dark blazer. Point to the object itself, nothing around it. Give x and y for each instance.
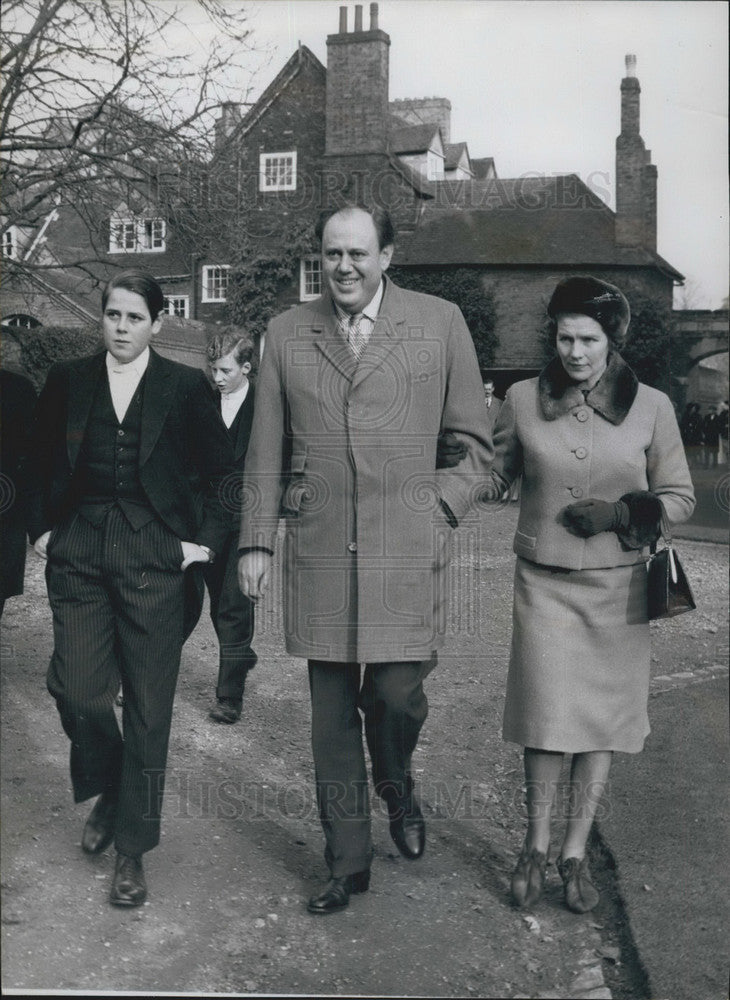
(230, 356)
(129, 462)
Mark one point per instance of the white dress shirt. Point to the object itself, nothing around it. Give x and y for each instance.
(231, 403)
(124, 380)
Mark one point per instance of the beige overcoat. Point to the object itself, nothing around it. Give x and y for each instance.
(346, 450)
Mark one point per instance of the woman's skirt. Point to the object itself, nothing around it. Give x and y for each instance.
(579, 664)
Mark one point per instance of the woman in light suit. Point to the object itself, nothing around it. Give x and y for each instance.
(601, 456)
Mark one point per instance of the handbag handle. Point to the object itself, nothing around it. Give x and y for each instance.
(666, 534)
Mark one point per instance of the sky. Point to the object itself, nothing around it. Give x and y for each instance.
(536, 85)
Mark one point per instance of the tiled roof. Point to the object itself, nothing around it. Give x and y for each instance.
(519, 221)
(414, 177)
(452, 154)
(178, 332)
(482, 166)
(288, 73)
(412, 138)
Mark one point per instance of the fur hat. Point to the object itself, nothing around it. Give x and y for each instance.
(587, 296)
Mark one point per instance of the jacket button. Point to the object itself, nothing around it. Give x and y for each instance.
(581, 452)
(576, 492)
(582, 415)
(352, 546)
(120, 433)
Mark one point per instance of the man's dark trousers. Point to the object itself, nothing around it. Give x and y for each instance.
(232, 615)
(394, 706)
(117, 596)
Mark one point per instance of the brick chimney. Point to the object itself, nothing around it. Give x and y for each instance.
(230, 117)
(636, 176)
(357, 87)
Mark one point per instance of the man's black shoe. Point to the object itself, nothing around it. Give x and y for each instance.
(99, 829)
(336, 894)
(407, 827)
(128, 885)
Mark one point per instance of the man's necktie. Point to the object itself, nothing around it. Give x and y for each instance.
(355, 336)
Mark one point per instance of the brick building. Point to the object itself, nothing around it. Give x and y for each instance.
(318, 135)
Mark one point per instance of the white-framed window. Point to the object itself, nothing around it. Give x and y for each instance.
(310, 278)
(154, 232)
(137, 235)
(10, 242)
(215, 282)
(177, 305)
(278, 171)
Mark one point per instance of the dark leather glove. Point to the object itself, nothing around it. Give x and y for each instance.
(591, 517)
(449, 451)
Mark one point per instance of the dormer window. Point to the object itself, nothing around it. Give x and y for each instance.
(137, 235)
(278, 171)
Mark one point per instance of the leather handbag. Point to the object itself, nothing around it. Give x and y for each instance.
(668, 589)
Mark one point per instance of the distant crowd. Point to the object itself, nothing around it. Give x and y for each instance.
(704, 434)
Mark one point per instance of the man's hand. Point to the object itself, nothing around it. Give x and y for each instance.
(449, 451)
(192, 553)
(41, 544)
(253, 573)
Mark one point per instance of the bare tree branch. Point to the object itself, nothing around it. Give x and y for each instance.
(90, 105)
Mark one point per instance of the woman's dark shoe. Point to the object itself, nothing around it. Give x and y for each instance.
(580, 893)
(336, 894)
(528, 878)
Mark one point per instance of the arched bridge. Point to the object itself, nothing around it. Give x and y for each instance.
(704, 330)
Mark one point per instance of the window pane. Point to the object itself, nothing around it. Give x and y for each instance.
(313, 276)
(278, 171)
(176, 305)
(215, 283)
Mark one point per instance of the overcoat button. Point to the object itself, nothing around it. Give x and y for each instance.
(581, 452)
(577, 492)
(352, 546)
(582, 415)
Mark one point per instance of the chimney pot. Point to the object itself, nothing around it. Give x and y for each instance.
(343, 20)
(630, 65)
(373, 17)
(358, 17)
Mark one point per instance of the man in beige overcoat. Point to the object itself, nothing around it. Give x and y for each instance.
(354, 392)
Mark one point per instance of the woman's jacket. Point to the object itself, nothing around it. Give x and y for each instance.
(620, 439)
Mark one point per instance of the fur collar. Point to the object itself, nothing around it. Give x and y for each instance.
(612, 397)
